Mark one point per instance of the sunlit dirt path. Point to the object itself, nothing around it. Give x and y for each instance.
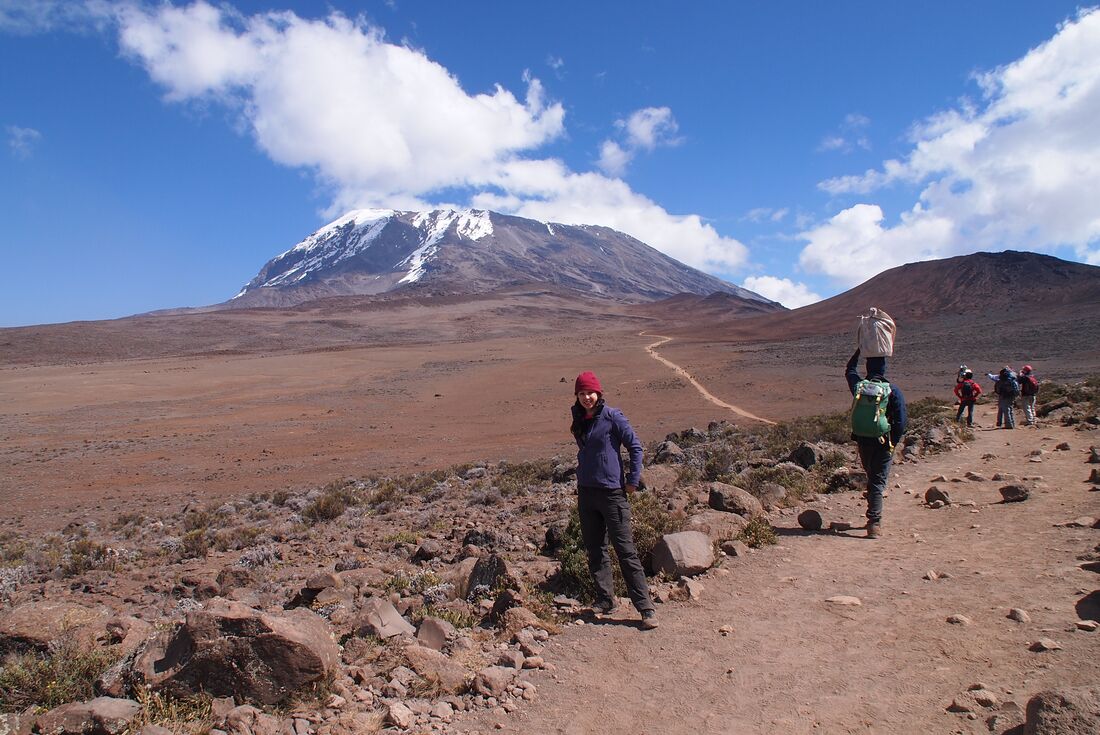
(652, 350)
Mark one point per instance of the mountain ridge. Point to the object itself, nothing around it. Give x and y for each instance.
(975, 289)
(381, 251)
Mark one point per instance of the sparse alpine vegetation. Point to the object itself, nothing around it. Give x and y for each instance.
(476, 563)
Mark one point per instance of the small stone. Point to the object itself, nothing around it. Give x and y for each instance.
(1014, 493)
(810, 520)
(1081, 522)
(933, 495)
(839, 526)
(1087, 625)
(975, 477)
(846, 600)
(399, 715)
(931, 575)
(1045, 644)
(735, 548)
(958, 620)
(1019, 615)
(726, 629)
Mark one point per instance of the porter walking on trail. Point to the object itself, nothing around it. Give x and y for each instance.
(603, 485)
(879, 419)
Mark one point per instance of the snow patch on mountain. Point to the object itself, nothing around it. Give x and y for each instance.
(470, 223)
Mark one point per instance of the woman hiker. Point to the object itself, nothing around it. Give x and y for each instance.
(602, 489)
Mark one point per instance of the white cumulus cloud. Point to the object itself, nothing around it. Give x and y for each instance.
(784, 290)
(1018, 169)
(382, 125)
(643, 130)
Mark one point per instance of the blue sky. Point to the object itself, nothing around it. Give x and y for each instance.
(157, 155)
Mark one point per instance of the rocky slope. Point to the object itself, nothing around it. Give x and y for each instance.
(964, 292)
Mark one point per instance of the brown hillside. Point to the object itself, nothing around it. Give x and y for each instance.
(977, 289)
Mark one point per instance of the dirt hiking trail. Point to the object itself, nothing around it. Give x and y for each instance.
(652, 351)
(795, 663)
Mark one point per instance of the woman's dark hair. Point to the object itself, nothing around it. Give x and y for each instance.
(579, 420)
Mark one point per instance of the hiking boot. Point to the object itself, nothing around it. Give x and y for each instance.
(604, 607)
(649, 620)
(874, 529)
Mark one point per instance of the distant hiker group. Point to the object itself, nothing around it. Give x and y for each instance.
(1007, 386)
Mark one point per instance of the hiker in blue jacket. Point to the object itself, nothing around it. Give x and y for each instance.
(877, 454)
(603, 485)
(1007, 388)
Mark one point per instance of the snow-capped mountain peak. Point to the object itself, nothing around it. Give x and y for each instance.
(372, 251)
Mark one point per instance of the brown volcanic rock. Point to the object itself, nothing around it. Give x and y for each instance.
(230, 649)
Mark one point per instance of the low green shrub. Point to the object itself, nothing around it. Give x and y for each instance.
(799, 485)
(194, 544)
(330, 504)
(84, 554)
(412, 584)
(758, 532)
(780, 439)
(457, 618)
(191, 715)
(64, 673)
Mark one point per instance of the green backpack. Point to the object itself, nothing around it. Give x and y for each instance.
(869, 409)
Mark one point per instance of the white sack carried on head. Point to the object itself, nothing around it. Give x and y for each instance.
(876, 333)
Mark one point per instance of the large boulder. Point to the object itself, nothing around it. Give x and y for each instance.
(100, 716)
(719, 525)
(493, 681)
(379, 618)
(1068, 711)
(32, 626)
(845, 479)
(771, 494)
(660, 479)
(731, 499)
(488, 573)
(683, 554)
(437, 668)
(805, 455)
(669, 452)
(230, 649)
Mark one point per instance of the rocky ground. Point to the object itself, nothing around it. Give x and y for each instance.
(950, 623)
(447, 601)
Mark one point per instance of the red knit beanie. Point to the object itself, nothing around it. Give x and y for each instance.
(587, 382)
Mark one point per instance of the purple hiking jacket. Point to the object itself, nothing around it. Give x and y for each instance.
(599, 460)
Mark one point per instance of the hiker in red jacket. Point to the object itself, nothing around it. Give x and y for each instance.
(967, 391)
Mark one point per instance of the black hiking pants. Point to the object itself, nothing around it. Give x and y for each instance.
(604, 515)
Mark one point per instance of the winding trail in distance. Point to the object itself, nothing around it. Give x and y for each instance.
(652, 350)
